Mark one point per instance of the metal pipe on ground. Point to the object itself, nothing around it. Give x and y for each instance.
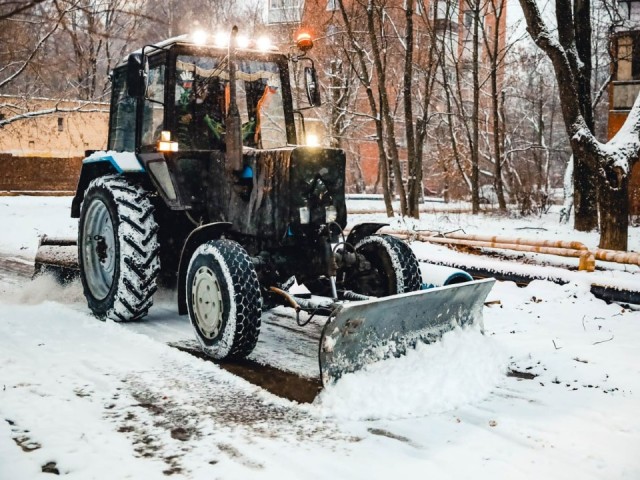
(629, 258)
(559, 248)
(495, 239)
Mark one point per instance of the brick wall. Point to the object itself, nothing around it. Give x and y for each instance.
(38, 173)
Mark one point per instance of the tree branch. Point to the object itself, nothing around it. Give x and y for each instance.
(19, 8)
(49, 111)
(24, 65)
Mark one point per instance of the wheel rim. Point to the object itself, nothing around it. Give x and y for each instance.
(376, 281)
(206, 300)
(99, 249)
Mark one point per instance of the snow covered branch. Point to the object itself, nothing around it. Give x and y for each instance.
(49, 111)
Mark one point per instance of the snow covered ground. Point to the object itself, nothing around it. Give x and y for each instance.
(552, 390)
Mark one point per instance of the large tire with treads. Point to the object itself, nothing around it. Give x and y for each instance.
(118, 249)
(223, 299)
(394, 267)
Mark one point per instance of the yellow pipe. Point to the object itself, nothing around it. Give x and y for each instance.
(630, 258)
(287, 297)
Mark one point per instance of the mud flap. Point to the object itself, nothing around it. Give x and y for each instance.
(364, 332)
(58, 257)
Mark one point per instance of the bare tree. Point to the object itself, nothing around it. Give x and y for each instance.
(363, 66)
(15, 64)
(15, 8)
(608, 164)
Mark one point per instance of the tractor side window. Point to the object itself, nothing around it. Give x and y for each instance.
(260, 104)
(122, 128)
(153, 112)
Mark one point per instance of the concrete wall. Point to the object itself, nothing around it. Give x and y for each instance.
(58, 134)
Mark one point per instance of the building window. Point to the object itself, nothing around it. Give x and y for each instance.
(276, 3)
(468, 18)
(628, 67)
(60, 124)
(332, 5)
(332, 33)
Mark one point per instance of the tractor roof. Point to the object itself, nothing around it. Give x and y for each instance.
(187, 40)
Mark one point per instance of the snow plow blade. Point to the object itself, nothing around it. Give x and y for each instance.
(367, 331)
(57, 257)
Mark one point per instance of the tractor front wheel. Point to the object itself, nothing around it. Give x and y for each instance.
(393, 268)
(223, 299)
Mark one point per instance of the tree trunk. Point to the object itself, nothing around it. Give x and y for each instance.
(395, 173)
(383, 165)
(497, 171)
(585, 202)
(413, 161)
(584, 178)
(475, 147)
(415, 171)
(614, 216)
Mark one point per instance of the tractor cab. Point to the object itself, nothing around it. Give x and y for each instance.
(175, 96)
(210, 122)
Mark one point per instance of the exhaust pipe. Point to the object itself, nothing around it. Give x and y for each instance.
(233, 136)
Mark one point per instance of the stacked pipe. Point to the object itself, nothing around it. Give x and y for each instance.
(587, 258)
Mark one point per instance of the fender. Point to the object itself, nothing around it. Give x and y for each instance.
(204, 233)
(101, 163)
(362, 230)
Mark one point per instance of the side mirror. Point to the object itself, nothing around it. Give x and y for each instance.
(137, 68)
(312, 86)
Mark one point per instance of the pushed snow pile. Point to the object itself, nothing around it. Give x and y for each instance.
(462, 368)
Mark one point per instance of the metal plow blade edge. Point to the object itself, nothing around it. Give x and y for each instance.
(364, 332)
(57, 257)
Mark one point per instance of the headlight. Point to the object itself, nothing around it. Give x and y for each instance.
(263, 44)
(199, 37)
(242, 41)
(312, 140)
(304, 215)
(165, 144)
(221, 39)
(330, 214)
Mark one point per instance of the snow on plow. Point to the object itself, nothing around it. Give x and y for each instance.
(364, 332)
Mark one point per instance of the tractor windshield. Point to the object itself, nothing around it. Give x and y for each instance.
(202, 102)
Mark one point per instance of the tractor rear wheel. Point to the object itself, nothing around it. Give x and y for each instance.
(118, 249)
(394, 267)
(223, 299)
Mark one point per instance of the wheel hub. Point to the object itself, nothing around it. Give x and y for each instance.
(207, 302)
(101, 248)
